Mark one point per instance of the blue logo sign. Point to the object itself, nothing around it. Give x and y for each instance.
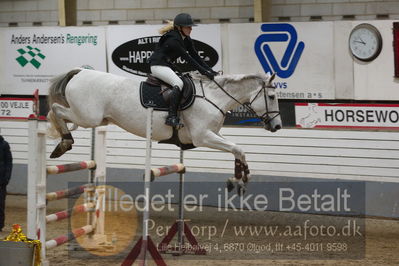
(280, 32)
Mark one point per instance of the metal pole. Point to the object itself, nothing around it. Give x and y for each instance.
(92, 154)
(33, 165)
(100, 175)
(147, 181)
(92, 173)
(180, 232)
(41, 187)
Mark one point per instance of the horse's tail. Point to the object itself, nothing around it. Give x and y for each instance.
(56, 94)
(56, 91)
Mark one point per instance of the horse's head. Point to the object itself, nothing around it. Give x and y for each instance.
(265, 103)
(255, 92)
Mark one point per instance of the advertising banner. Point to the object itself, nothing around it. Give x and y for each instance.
(16, 108)
(359, 116)
(35, 55)
(129, 47)
(301, 54)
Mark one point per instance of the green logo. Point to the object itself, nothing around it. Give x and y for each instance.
(30, 55)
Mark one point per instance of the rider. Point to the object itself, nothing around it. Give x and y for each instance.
(176, 42)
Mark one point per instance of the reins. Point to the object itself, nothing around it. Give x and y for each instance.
(209, 101)
(247, 106)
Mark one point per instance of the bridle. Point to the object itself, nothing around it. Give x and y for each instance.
(266, 117)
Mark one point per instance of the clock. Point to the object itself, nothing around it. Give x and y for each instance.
(365, 42)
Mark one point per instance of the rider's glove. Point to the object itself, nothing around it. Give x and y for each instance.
(214, 72)
(210, 75)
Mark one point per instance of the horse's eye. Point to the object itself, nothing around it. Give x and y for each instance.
(271, 94)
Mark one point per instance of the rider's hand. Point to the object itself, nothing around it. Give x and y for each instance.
(210, 75)
(215, 73)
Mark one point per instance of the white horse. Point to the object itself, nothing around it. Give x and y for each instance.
(91, 98)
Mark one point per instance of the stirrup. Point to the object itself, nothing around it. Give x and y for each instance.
(173, 121)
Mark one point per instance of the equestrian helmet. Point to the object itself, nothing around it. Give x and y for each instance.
(184, 20)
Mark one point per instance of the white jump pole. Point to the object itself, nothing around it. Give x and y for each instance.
(37, 181)
(147, 181)
(98, 154)
(180, 234)
(37, 174)
(100, 158)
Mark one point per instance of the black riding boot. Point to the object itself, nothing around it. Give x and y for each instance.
(172, 119)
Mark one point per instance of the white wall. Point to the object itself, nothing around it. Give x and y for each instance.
(343, 66)
(326, 69)
(332, 10)
(376, 81)
(100, 12)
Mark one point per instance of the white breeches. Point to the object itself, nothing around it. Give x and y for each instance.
(167, 75)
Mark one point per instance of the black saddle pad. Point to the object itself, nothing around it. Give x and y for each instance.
(151, 96)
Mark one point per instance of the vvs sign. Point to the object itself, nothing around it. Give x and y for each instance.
(283, 33)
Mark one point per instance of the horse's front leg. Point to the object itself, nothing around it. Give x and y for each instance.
(217, 141)
(241, 170)
(241, 176)
(245, 169)
(240, 164)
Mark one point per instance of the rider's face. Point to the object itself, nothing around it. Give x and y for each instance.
(186, 30)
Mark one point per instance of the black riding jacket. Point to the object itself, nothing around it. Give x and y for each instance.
(171, 46)
(5, 162)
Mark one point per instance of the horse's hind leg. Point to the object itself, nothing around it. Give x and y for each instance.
(59, 115)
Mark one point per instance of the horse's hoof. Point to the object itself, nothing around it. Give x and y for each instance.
(61, 148)
(238, 176)
(229, 185)
(241, 188)
(238, 169)
(246, 178)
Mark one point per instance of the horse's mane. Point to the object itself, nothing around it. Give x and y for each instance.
(232, 77)
(242, 77)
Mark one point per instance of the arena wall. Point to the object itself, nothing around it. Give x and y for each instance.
(291, 154)
(103, 12)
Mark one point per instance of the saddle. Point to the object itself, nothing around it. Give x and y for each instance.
(156, 94)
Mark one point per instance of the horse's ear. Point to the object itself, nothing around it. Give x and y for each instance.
(272, 77)
(269, 83)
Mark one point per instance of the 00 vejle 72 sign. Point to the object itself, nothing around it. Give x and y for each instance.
(15, 108)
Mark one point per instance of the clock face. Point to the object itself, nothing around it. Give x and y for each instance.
(365, 42)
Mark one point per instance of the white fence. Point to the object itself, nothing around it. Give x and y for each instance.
(352, 155)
